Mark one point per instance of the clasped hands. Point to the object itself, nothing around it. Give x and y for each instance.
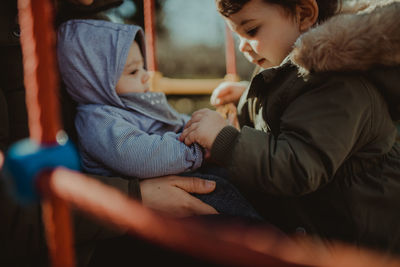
(203, 128)
(205, 124)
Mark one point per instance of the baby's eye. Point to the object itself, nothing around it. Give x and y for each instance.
(134, 72)
(253, 31)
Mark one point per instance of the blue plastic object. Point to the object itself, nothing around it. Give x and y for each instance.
(26, 159)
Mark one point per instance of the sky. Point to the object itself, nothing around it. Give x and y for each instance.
(194, 21)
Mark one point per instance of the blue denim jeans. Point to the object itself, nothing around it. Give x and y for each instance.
(226, 198)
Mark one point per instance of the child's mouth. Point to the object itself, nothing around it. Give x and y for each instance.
(260, 61)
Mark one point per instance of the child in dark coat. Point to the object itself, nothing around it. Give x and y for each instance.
(316, 150)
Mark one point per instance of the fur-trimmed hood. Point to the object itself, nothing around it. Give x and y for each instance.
(361, 36)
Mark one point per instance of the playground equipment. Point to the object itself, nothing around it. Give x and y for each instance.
(40, 162)
(159, 83)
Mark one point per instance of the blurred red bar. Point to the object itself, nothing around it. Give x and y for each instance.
(230, 56)
(40, 69)
(41, 85)
(58, 227)
(149, 26)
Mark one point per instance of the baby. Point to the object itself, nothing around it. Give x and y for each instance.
(123, 128)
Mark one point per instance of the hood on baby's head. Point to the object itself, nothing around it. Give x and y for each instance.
(91, 57)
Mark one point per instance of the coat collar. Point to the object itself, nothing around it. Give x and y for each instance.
(360, 37)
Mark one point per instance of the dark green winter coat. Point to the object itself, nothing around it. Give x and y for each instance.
(316, 152)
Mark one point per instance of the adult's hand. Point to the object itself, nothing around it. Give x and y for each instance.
(170, 195)
(228, 92)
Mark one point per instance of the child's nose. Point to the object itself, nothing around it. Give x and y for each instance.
(145, 77)
(244, 45)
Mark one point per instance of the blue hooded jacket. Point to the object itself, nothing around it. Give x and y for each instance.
(133, 134)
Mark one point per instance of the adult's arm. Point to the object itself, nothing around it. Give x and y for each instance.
(318, 131)
(123, 147)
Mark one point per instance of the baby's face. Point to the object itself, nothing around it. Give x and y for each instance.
(134, 78)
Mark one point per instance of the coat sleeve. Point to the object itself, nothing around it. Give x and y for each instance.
(125, 149)
(318, 131)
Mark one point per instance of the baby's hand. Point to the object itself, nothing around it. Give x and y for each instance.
(228, 92)
(203, 128)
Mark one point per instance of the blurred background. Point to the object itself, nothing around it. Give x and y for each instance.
(190, 43)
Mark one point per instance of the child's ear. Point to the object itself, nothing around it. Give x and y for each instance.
(306, 14)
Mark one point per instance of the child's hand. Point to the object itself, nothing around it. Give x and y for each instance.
(228, 92)
(229, 112)
(203, 128)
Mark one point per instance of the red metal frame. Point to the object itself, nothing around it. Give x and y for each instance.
(41, 84)
(230, 56)
(149, 26)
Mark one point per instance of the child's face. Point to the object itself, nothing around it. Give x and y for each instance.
(266, 32)
(134, 78)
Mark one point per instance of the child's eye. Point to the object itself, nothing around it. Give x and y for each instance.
(252, 32)
(134, 72)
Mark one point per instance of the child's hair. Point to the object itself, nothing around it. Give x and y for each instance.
(327, 8)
